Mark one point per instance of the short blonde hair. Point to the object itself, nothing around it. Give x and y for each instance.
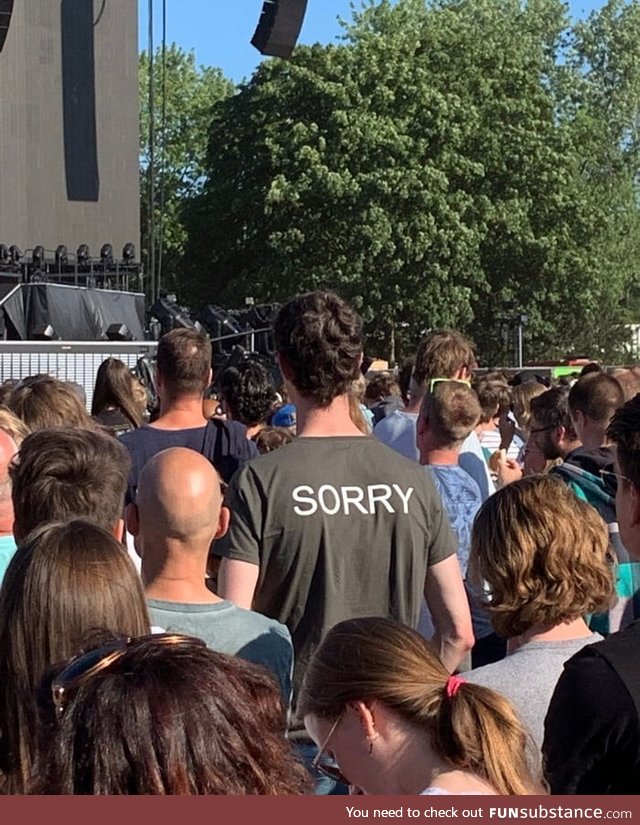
(544, 554)
(13, 426)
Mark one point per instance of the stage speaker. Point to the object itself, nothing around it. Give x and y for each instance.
(6, 7)
(279, 27)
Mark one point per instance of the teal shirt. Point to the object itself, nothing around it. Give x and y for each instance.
(7, 552)
(227, 628)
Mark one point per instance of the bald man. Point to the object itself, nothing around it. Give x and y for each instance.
(8, 449)
(177, 514)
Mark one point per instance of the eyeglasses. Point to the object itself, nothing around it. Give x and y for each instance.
(612, 478)
(542, 429)
(435, 381)
(83, 667)
(331, 771)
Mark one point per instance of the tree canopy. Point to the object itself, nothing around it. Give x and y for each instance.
(451, 162)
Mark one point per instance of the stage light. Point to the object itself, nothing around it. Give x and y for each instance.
(128, 253)
(106, 254)
(83, 255)
(16, 254)
(45, 333)
(170, 315)
(119, 332)
(4, 253)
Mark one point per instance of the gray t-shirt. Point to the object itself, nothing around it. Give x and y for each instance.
(227, 628)
(528, 678)
(341, 527)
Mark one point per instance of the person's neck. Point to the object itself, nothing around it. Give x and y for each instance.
(253, 431)
(180, 413)
(568, 447)
(333, 420)
(6, 519)
(178, 579)
(440, 456)
(415, 399)
(594, 439)
(567, 631)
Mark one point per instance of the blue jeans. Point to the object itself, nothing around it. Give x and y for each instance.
(324, 785)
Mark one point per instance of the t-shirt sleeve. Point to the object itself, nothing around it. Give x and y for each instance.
(587, 728)
(441, 540)
(242, 541)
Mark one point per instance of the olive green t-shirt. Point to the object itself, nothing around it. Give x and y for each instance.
(341, 528)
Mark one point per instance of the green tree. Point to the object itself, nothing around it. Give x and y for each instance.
(185, 98)
(438, 168)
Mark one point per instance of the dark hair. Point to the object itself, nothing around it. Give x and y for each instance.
(379, 659)
(184, 361)
(45, 402)
(441, 355)
(248, 392)
(551, 409)
(380, 386)
(624, 431)
(494, 397)
(172, 719)
(320, 336)
(272, 438)
(404, 377)
(63, 581)
(114, 388)
(597, 396)
(63, 473)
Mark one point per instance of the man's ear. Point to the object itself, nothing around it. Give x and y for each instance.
(285, 366)
(117, 531)
(132, 517)
(633, 497)
(223, 522)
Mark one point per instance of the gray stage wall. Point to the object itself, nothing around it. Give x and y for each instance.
(69, 145)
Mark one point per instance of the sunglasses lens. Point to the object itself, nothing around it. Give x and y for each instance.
(84, 663)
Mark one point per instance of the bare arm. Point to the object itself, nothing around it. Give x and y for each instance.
(449, 608)
(237, 581)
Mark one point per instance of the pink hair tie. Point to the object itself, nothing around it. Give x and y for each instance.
(453, 685)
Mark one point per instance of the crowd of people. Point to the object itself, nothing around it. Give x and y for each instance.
(422, 581)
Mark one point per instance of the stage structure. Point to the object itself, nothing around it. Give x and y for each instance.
(69, 124)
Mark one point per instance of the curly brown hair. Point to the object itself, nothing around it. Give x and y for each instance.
(624, 431)
(544, 554)
(320, 337)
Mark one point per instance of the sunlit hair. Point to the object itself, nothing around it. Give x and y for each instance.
(380, 386)
(320, 337)
(597, 396)
(494, 397)
(64, 473)
(115, 387)
(63, 581)
(451, 412)
(13, 426)
(544, 555)
(183, 362)
(45, 402)
(442, 354)
(522, 395)
(476, 730)
(172, 719)
(624, 431)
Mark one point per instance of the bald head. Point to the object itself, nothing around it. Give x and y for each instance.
(179, 497)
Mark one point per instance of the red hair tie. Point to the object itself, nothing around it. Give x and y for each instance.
(453, 685)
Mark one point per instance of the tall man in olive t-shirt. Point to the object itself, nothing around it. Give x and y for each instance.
(336, 525)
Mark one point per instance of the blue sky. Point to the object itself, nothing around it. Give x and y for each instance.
(220, 30)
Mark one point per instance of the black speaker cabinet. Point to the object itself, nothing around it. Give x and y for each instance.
(279, 27)
(6, 7)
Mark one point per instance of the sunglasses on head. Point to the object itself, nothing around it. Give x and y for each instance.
(435, 381)
(83, 667)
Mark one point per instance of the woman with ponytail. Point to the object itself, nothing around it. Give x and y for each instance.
(378, 701)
